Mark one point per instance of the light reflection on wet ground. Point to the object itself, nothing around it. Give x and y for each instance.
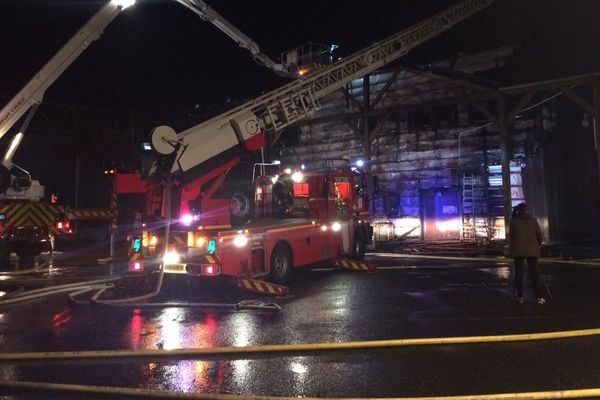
(327, 306)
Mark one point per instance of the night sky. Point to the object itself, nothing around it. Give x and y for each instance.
(160, 60)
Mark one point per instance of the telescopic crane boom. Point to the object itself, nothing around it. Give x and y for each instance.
(31, 95)
(205, 12)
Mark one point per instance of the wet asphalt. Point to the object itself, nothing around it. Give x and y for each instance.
(405, 298)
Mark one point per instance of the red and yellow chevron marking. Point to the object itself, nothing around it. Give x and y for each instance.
(91, 213)
(210, 259)
(256, 286)
(33, 214)
(135, 256)
(353, 265)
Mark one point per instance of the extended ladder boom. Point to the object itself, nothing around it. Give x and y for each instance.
(297, 100)
(33, 92)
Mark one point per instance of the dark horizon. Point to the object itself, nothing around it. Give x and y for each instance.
(160, 63)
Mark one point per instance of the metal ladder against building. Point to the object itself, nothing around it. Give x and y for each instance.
(474, 204)
(299, 99)
(468, 217)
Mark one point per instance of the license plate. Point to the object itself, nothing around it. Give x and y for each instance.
(175, 268)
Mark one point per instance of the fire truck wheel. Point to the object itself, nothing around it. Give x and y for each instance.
(358, 247)
(28, 251)
(281, 264)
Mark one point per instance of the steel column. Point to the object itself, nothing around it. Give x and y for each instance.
(505, 148)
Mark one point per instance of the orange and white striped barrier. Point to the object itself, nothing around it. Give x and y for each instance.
(354, 265)
(262, 287)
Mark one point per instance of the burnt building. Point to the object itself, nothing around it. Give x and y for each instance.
(433, 140)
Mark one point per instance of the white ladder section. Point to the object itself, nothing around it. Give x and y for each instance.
(298, 99)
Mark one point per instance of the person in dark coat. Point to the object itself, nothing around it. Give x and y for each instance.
(525, 239)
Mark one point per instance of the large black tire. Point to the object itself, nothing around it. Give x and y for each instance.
(359, 246)
(28, 250)
(281, 265)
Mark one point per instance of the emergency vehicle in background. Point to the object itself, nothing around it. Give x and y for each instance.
(204, 213)
(28, 224)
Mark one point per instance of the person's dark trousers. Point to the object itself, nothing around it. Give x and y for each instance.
(534, 273)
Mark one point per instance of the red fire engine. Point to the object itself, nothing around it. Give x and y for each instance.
(204, 215)
(299, 218)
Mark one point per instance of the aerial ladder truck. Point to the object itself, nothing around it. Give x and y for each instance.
(27, 224)
(290, 219)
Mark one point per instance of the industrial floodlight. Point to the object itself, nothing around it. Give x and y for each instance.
(123, 3)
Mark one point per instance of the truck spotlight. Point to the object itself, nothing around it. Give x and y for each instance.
(297, 176)
(240, 240)
(336, 227)
(323, 228)
(360, 163)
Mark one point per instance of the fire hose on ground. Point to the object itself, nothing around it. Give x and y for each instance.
(273, 349)
(161, 394)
